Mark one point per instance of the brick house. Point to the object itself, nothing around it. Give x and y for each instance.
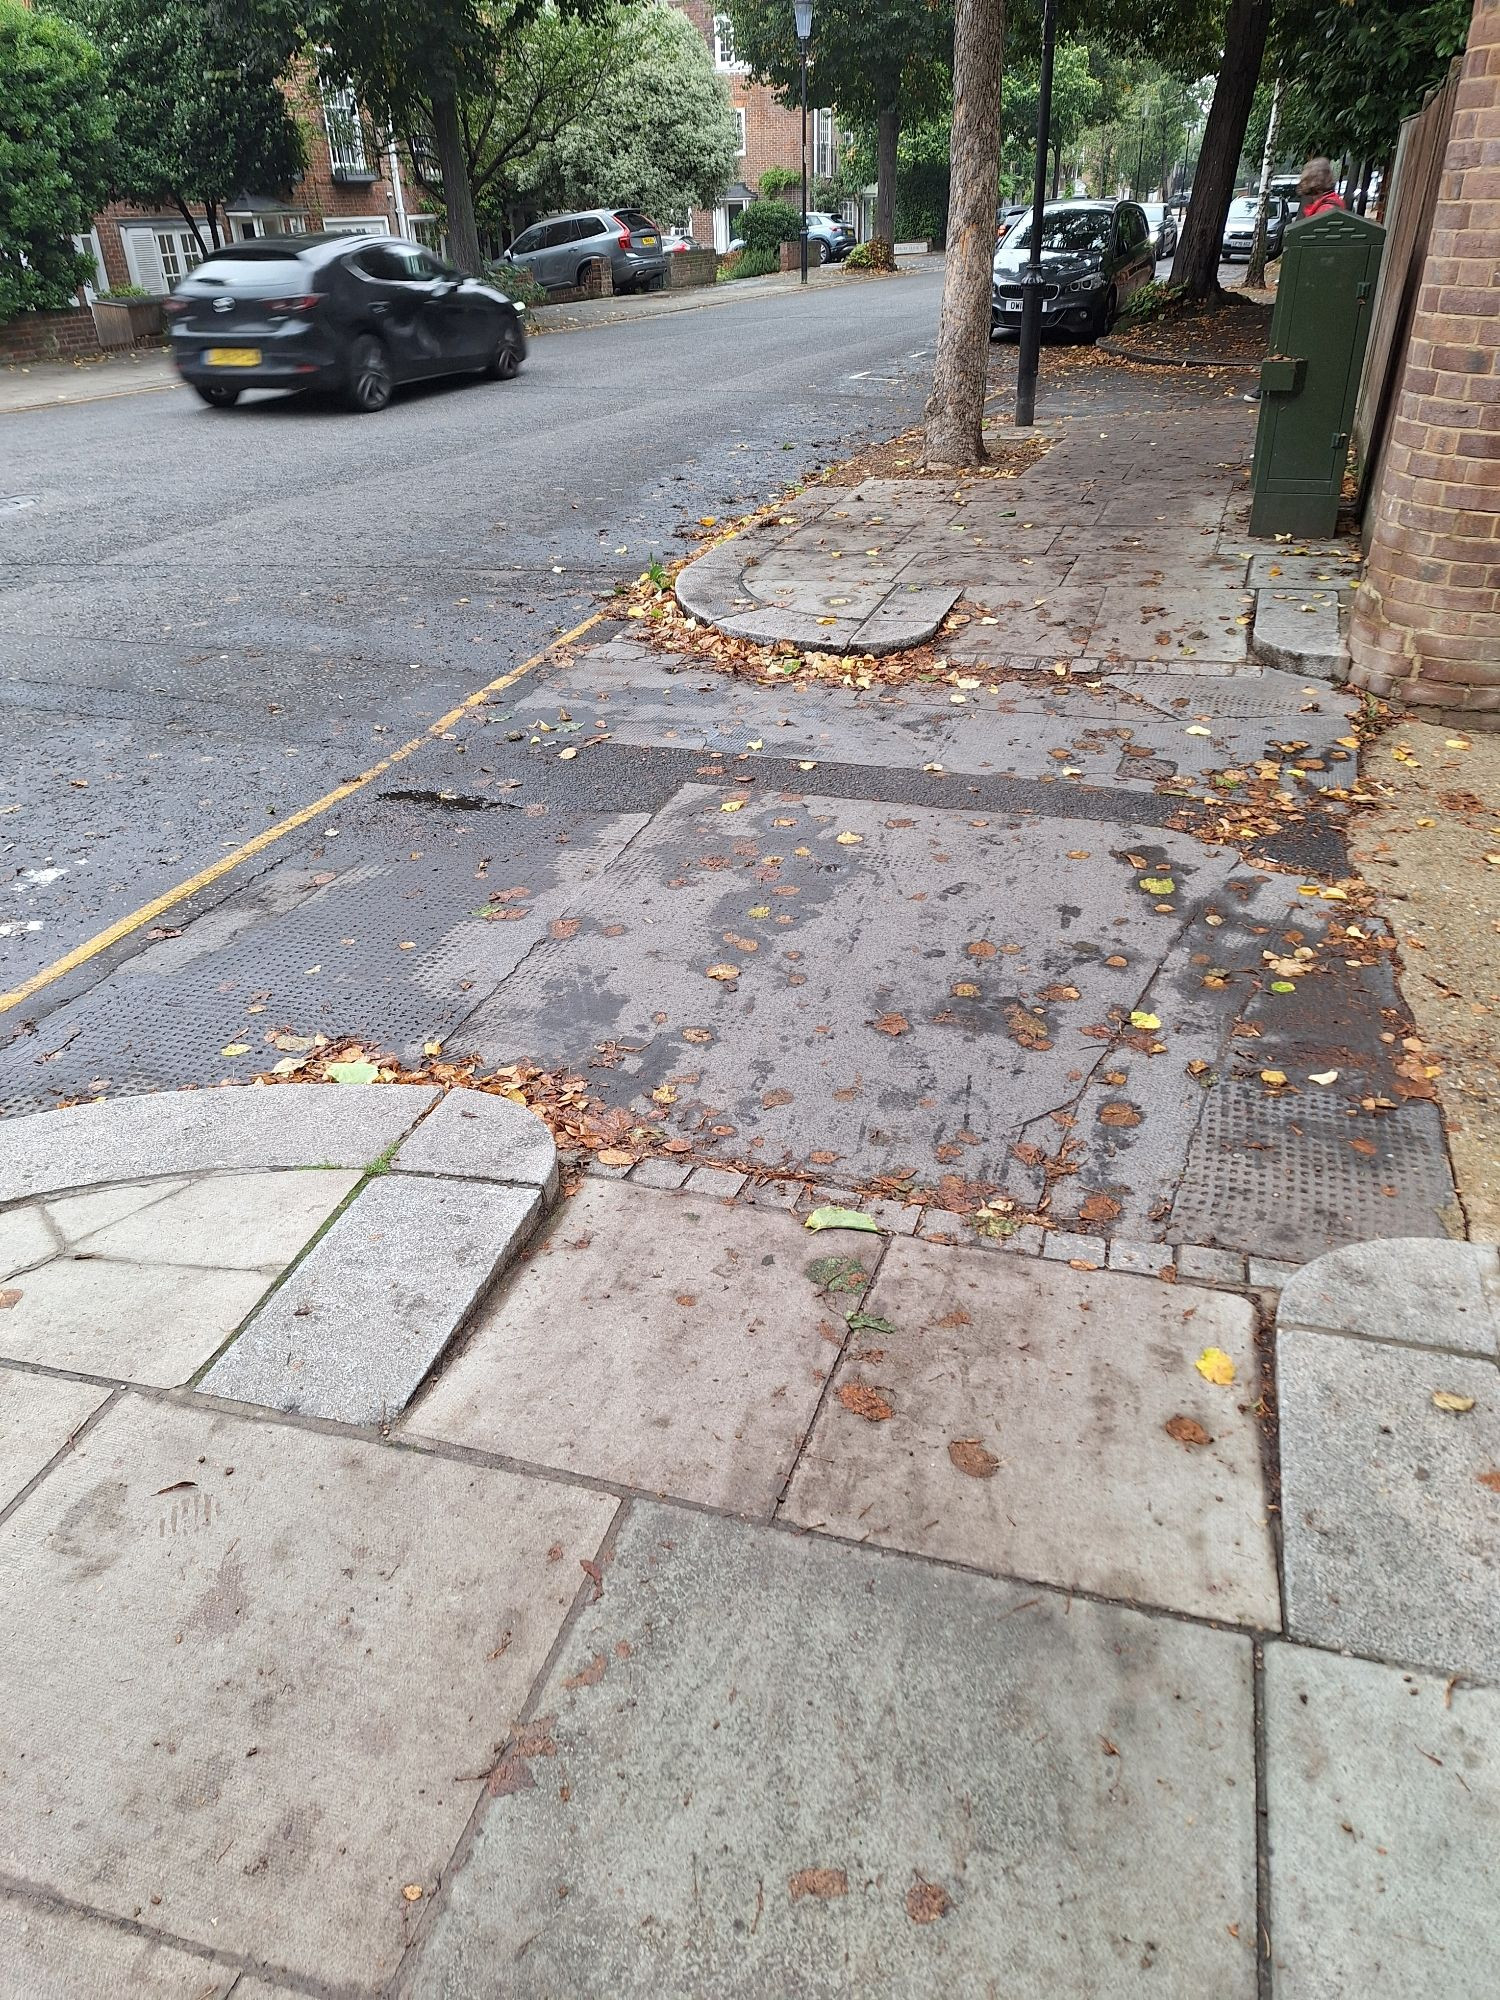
(1426, 622)
(770, 131)
(352, 182)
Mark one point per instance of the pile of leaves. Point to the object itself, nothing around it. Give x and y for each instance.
(1160, 324)
(875, 255)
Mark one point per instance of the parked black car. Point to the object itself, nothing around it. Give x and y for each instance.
(353, 314)
(1094, 256)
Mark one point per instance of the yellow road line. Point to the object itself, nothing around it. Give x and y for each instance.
(159, 905)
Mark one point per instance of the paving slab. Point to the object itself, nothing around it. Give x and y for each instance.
(239, 1222)
(358, 1324)
(1146, 622)
(287, 1656)
(150, 1322)
(665, 1341)
(1416, 1290)
(1300, 632)
(76, 1216)
(25, 1239)
(786, 1768)
(134, 1138)
(1027, 1433)
(1390, 1504)
(1383, 1789)
(48, 1953)
(38, 1414)
(472, 1134)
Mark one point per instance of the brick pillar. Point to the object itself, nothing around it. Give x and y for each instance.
(1426, 623)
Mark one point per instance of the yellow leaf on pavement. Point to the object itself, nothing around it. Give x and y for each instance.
(1214, 1365)
(849, 839)
(723, 972)
(1444, 1399)
(236, 1049)
(1138, 1019)
(731, 805)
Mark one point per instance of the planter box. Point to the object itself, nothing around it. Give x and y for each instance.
(691, 267)
(128, 322)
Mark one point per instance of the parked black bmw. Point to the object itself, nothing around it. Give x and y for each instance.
(1094, 256)
(353, 315)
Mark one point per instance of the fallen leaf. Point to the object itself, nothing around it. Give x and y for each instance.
(1365, 1146)
(563, 756)
(697, 1036)
(965, 989)
(863, 1401)
(969, 1455)
(352, 1072)
(1323, 1076)
(11, 1296)
(731, 805)
(612, 1156)
(849, 839)
(413, 1892)
(1158, 885)
(1445, 1399)
(773, 1099)
(1489, 1480)
(980, 948)
(1100, 1208)
(564, 927)
(891, 1024)
(1214, 1365)
(589, 1676)
(824, 1883)
(840, 1218)
(1273, 1076)
(926, 1902)
(1186, 1431)
(723, 972)
(1139, 1019)
(1119, 1114)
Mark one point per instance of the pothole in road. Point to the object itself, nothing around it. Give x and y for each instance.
(446, 801)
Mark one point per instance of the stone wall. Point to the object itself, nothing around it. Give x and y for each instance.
(49, 336)
(1426, 621)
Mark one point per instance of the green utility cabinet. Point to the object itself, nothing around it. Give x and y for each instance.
(1309, 381)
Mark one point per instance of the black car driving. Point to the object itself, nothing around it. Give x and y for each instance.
(353, 315)
(1094, 256)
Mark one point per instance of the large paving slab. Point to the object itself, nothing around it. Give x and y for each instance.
(48, 1953)
(357, 1325)
(664, 1341)
(145, 1322)
(134, 1138)
(1417, 1290)
(1028, 1433)
(238, 1222)
(287, 1657)
(473, 1134)
(1383, 1789)
(38, 1414)
(781, 1767)
(1390, 1503)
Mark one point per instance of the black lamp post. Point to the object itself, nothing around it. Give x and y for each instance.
(1032, 281)
(802, 14)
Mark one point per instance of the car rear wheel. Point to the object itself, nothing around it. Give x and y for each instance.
(1109, 312)
(504, 363)
(370, 384)
(217, 395)
(825, 255)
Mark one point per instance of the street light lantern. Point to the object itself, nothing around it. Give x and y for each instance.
(802, 15)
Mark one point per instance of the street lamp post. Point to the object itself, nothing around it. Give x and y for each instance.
(802, 14)
(1032, 281)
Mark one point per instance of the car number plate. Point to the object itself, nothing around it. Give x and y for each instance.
(648, 242)
(1012, 305)
(233, 357)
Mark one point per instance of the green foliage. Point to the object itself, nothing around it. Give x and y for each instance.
(868, 56)
(876, 255)
(124, 293)
(1149, 303)
(766, 225)
(1143, 133)
(777, 182)
(1354, 69)
(54, 132)
(658, 133)
(196, 119)
(747, 264)
(516, 284)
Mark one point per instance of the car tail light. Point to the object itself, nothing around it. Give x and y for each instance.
(281, 308)
(173, 307)
(624, 239)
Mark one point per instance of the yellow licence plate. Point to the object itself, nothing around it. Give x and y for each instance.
(648, 242)
(233, 357)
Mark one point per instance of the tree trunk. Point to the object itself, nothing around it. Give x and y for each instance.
(458, 193)
(955, 409)
(1195, 268)
(887, 133)
(1255, 270)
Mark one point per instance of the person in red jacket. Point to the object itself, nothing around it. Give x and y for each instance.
(1316, 191)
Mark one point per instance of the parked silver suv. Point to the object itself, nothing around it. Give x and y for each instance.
(559, 251)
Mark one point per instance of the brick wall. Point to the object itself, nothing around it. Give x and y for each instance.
(1426, 622)
(48, 336)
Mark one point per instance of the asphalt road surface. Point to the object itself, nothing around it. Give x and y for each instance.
(209, 618)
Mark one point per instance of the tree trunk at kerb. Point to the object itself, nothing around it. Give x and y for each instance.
(1255, 270)
(955, 410)
(1195, 268)
(458, 195)
(887, 136)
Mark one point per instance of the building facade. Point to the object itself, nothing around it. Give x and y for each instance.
(352, 182)
(770, 131)
(1426, 621)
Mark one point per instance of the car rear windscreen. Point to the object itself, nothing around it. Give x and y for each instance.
(249, 268)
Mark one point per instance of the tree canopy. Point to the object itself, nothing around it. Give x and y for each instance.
(1354, 69)
(197, 119)
(54, 132)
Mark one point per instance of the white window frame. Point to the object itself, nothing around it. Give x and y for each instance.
(343, 128)
(356, 225)
(824, 152)
(739, 119)
(725, 57)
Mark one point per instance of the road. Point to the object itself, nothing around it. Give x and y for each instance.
(209, 618)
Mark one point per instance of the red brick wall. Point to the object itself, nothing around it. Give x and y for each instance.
(48, 336)
(1426, 623)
